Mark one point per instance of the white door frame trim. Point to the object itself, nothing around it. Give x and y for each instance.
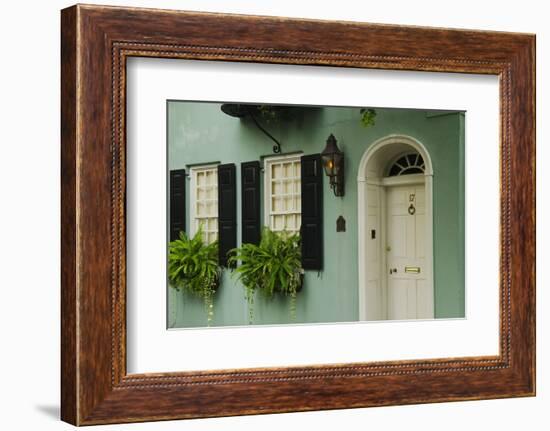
(363, 179)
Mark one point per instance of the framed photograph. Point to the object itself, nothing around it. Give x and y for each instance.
(265, 215)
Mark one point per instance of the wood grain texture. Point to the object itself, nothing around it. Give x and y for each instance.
(69, 397)
(96, 41)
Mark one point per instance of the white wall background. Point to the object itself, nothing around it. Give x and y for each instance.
(29, 215)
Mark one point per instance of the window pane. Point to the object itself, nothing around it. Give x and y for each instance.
(212, 177)
(277, 188)
(287, 187)
(199, 209)
(200, 178)
(290, 222)
(277, 205)
(279, 222)
(412, 170)
(402, 162)
(288, 170)
(395, 170)
(201, 194)
(276, 171)
(289, 203)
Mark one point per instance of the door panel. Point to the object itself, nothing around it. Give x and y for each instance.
(423, 303)
(420, 229)
(408, 295)
(397, 298)
(397, 236)
(411, 299)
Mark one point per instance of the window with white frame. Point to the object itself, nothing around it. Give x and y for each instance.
(283, 201)
(204, 201)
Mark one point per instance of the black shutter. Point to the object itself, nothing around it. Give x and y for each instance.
(312, 212)
(177, 203)
(250, 200)
(227, 211)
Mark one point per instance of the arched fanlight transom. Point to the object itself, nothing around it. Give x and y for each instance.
(411, 163)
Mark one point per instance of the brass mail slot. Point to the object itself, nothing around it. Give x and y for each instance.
(413, 269)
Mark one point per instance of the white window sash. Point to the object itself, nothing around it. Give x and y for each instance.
(193, 190)
(269, 212)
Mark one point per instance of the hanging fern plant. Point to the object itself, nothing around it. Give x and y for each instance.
(368, 116)
(274, 265)
(193, 267)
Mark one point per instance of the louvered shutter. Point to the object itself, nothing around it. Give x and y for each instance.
(227, 211)
(177, 203)
(250, 202)
(312, 212)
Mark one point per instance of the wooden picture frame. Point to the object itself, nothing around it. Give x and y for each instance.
(95, 42)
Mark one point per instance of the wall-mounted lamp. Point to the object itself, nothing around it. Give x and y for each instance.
(333, 162)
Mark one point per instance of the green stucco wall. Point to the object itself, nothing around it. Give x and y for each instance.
(201, 132)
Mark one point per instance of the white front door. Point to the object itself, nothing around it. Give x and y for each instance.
(407, 287)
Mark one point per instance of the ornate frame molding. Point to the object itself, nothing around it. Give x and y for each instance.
(96, 41)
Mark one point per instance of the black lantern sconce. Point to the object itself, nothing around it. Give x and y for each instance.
(333, 162)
